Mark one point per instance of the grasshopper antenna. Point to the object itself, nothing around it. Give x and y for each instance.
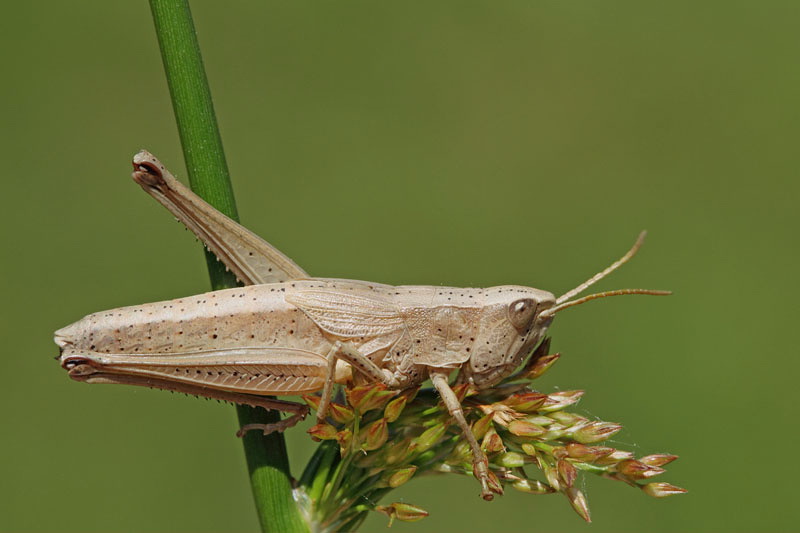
(562, 302)
(600, 275)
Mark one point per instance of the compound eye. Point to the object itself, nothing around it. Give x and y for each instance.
(520, 313)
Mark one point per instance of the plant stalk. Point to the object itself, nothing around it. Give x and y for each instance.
(267, 460)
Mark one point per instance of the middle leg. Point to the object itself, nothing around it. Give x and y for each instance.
(361, 363)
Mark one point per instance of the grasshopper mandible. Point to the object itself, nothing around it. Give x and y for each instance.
(287, 333)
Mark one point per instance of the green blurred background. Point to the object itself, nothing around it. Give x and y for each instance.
(461, 143)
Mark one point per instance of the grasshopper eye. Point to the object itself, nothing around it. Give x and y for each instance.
(520, 313)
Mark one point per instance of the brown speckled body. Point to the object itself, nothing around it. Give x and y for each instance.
(275, 338)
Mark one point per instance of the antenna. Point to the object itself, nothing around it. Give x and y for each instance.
(563, 303)
(600, 275)
(619, 292)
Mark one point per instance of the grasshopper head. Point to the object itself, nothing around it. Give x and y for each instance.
(510, 326)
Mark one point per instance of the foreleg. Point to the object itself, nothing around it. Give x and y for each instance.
(480, 464)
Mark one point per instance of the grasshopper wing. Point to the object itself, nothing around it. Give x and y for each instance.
(252, 259)
(349, 309)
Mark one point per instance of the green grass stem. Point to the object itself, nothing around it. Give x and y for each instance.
(267, 460)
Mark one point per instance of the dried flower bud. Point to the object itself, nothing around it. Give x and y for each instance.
(554, 432)
(492, 442)
(587, 454)
(559, 452)
(510, 460)
(312, 400)
(636, 470)
(399, 477)
(577, 450)
(399, 451)
(368, 397)
(659, 459)
(539, 420)
(323, 431)
(578, 501)
(480, 427)
(430, 436)
(344, 438)
(567, 419)
(409, 513)
(560, 400)
(566, 472)
(542, 365)
(661, 490)
(526, 402)
(340, 413)
(595, 432)
(374, 435)
(532, 486)
(529, 449)
(402, 511)
(614, 457)
(523, 428)
(394, 408)
(355, 395)
(550, 473)
(501, 414)
(378, 400)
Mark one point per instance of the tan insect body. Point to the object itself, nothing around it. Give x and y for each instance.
(287, 333)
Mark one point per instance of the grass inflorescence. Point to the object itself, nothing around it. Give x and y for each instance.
(377, 439)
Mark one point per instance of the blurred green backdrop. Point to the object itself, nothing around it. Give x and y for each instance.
(462, 143)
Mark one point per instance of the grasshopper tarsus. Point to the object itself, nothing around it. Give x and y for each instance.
(490, 484)
(267, 429)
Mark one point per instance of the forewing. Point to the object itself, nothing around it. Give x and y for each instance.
(348, 312)
(252, 259)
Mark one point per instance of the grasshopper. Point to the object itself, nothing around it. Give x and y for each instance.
(287, 333)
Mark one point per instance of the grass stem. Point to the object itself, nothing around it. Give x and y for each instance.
(267, 460)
